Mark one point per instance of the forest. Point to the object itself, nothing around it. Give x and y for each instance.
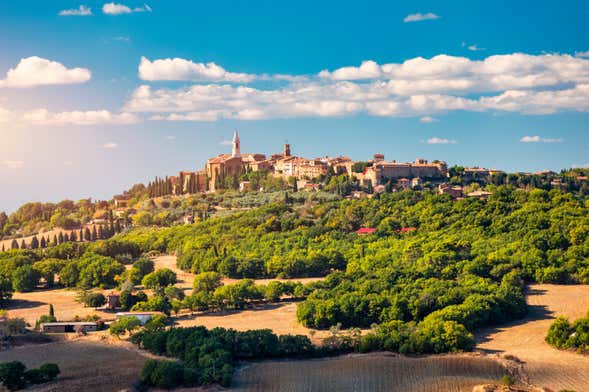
(433, 271)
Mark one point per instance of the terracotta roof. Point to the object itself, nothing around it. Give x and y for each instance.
(366, 230)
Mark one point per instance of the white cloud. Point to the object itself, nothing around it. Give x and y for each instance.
(437, 140)
(36, 71)
(82, 10)
(13, 164)
(226, 143)
(582, 54)
(418, 17)
(428, 120)
(44, 117)
(181, 69)
(110, 145)
(119, 9)
(517, 82)
(475, 48)
(538, 139)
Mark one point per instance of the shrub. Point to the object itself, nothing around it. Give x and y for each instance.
(12, 375)
(559, 332)
(124, 325)
(50, 371)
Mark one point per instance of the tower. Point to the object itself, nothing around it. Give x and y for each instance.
(286, 150)
(236, 151)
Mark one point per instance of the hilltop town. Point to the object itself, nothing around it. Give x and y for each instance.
(225, 171)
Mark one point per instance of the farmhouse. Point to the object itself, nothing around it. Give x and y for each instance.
(69, 327)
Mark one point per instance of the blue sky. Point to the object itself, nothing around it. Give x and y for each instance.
(81, 115)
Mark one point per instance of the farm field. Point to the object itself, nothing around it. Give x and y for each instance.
(280, 318)
(544, 365)
(373, 372)
(85, 365)
(31, 306)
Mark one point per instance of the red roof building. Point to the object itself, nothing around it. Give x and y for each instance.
(365, 231)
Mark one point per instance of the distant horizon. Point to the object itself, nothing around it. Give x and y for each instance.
(96, 97)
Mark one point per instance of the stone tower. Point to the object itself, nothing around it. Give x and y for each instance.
(236, 151)
(286, 150)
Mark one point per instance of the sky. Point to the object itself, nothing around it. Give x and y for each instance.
(96, 96)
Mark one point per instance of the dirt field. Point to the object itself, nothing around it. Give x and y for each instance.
(85, 365)
(374, 372)
(31, 306)
(280, 318)
(524, 339)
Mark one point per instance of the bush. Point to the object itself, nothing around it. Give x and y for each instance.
(559, 333)
(124, 325)
(12, 375)
(50, 371)
(163, 374)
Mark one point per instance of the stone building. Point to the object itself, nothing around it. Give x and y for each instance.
(219, 168)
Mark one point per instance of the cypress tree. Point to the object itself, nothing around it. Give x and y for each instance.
(43, 243)
(34, 243)
(87, 235)
(23, 245)
(94, 233)
(66, 237)
(118, 226)
(54, 240)
(73, 236)
(60, 237)
(81, 235)
(100, 232)
(51, 310)
(14, 245)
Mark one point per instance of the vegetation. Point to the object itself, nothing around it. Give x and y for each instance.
(15, 376)
(564, 335)
(209, 356)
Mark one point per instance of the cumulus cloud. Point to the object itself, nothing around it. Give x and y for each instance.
(119, 9)
(42, 116)
(110, 145)
(437, 140)
(13, 164)
(36, 71)
(428, 120)
(521, 83)
(82, 10)
(538, 139)
(181, 69)
(418, 17)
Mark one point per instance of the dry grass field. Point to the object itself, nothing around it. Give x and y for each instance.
(544, 365)
(374, 372)
(31, 306)
(85, 364)
(280, 318)
(49, 233)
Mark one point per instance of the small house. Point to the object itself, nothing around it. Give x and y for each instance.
(69, 327)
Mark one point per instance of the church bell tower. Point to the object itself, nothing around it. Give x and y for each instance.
(236, 151)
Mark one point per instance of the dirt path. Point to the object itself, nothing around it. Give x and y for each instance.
(543, 365)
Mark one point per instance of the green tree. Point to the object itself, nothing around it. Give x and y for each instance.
(25, 279)
(124, 325)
